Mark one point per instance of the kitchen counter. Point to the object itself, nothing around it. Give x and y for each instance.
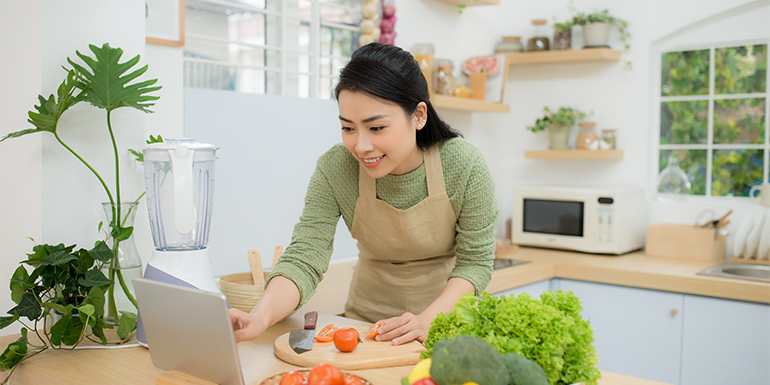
(133, 365)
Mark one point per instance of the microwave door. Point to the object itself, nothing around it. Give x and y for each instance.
(556, 223)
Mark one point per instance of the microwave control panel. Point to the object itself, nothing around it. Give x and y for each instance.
(605, 218)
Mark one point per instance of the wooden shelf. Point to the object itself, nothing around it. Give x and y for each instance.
(465, 104)
(564, 56)
(575, 154)
(470, 3)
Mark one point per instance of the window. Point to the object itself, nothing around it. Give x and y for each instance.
(282, 47)
(713, 117)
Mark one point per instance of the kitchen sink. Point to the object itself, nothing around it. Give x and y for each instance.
(739, 270)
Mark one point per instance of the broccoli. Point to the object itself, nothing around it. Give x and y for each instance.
(467, 359)
(524, 371)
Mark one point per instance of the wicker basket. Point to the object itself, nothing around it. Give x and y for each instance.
(240, 290)
(276, 378)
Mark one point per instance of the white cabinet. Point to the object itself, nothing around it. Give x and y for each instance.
(725, 342)
(533, 289)
(637, 332)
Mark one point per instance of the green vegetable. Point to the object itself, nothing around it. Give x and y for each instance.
(549, 331)
(467, 359)
(524, 371)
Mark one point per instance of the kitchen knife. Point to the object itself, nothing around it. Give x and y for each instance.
(301, 340)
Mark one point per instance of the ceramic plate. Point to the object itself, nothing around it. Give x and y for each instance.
(742, 234)
(752, 241)
(764, 241)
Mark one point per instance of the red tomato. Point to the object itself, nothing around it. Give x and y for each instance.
(352, 380)
(424, 381)
(346, 340)
(292, 378)
(325, 374)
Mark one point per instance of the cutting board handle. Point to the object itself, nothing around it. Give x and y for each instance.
(310, 319)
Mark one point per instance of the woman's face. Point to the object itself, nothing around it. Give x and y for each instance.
(380, 135)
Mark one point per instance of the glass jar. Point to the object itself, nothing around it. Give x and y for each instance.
(672, 179)
(443, 77)
(423, 53)
(608, 136)
(539, 39)
(586, 139)
(510, 44)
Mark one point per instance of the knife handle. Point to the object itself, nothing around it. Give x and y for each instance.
(310, 319)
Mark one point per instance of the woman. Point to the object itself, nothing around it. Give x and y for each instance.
(418, 198)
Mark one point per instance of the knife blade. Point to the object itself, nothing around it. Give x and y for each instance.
(301, 340)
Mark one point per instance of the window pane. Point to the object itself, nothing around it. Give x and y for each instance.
(346, 12)
(740, 70)
(684, 122)
(338, 42)
(693, 163)
(739, 121)
(685, 73)
(735, 171)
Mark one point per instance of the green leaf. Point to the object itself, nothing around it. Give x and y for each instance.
(98, 329)
(108, 81)
(14, 353)
(94, 278)
(157, 139)
(96, 298)
(88, 309)
(139, 156)
(57, 330)
(49, 111)
(28, 307)
(5, 321)
(59, 307)
(59, 257)
(120, 234)
(101, 252)
(73, 331)
(19, 283)
(127, 324)
(84, 256)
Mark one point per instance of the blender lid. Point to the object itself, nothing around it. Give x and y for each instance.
(159, 152)
(170, 144)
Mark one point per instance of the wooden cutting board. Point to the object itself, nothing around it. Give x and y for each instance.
(368, 355)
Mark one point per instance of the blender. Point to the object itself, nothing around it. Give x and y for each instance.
(179, 180)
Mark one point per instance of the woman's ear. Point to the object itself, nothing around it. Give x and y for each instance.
(421, 115)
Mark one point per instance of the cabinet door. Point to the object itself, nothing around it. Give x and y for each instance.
(725, 342)
(533, 289)
(637, 332)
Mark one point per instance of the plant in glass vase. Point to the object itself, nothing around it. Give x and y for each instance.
(558, 124)
(106, 84)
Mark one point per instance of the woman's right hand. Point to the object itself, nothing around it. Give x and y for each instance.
(247, 326)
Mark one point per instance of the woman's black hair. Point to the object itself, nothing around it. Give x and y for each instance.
(392, 74)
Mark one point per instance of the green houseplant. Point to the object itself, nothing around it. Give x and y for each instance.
(558, 124)
(596, 28)
(562, 35)
(105, 83)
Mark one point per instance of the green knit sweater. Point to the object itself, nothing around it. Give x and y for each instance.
(333, 191)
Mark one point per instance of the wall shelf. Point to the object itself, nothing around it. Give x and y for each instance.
(470, 3)
(465, 104)
(575, 154)
(564, 56)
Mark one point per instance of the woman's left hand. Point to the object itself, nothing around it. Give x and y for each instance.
(402, 329)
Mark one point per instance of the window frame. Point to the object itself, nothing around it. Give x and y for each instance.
(289, 11)
(709, 146)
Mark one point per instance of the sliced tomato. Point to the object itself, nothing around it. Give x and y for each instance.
(352, 380)
(327, 333)
(374, 330)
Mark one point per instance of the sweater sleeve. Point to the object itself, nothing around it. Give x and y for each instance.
(306, 258)
(475, 228)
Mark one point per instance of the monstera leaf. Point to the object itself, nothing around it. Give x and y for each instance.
(50, 110)
(108, 80)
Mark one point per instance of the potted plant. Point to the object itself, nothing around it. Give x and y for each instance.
(106, 84)
(558, 124)
(562, 35)
(596, 28)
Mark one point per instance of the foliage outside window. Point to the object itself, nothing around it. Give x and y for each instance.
(281, 47)
(713, 117)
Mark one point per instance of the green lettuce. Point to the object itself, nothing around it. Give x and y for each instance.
(549, 331)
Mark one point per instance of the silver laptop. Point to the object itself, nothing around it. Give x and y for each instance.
(189, 330)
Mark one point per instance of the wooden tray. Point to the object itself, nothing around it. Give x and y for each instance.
(368, 355)
(276, 378)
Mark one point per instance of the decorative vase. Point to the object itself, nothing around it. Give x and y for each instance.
(559, 136)
(596, 35)
(126, 267)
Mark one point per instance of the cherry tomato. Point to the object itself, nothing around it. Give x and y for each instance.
(352, 380)
(425, 381)
(292, 378)
(346, 340)
(374, 330)
(325, 374)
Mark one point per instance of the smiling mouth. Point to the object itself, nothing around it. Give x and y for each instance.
(372, 162)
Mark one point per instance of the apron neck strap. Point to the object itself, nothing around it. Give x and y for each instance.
(434, 173)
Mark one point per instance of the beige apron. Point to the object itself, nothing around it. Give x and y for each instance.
(405, 256)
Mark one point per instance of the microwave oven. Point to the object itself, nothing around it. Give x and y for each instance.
(591, 220)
